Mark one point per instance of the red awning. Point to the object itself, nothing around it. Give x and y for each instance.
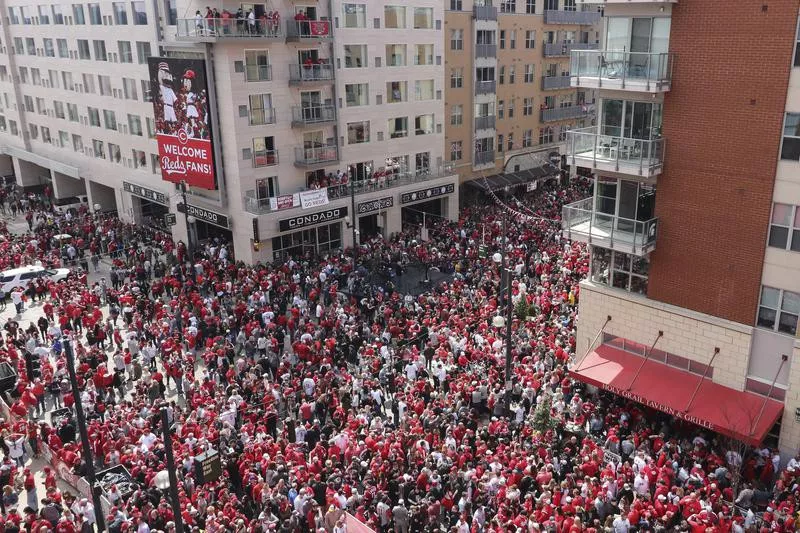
(668, 389)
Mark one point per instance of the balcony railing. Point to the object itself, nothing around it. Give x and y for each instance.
(258, 72)
(299, 30)
(485, 87)
(378, 181)
(565, 113)
(616, 69)
(261, 117)
(300, 74)
(483, 158)
(316, 155)
(555, 82)
(486, 50)
(485, 123)
(214, 29)
(484, 12)
(265, 158)
(564, 48)
(580, 222)
(320, 114)
(588, 147)
(555, 16)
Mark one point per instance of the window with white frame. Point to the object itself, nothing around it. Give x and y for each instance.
(355, 56)
(784, 228)
(527, 138)
(423, 18)
(423, 124)
(120, 13)
(398, 127)
(94, 116)
(527, 106)
(99, 149)
(95, 17)
(125, 52)
(456, 150)
(49, 49)
(778, 310)
(139, 13)
(110, 119)
(545, 135)
(456, 115)
(790, 150)
(260, 109)
(423, 54)
(355, 15)
(508, 6)
(396, 92)
(456, 78)
(456, 39)
(530, 7)
(396, 55)
(394, 17)
(424, 90)
(63, 48)
(100, 50)
(620, 270)
(512, 39)
(356, 94)
(134, 125)
(456, 5)
(529, 71)
(256, 65)
(358, 132)
(797, 48)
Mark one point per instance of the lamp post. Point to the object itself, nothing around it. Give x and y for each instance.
(499, 321)
(87, 449)
(189, 221)
(171, 481)
(351, 223)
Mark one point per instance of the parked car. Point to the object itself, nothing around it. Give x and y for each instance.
(22, 276)
(70, 203)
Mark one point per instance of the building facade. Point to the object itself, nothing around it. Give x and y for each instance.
(297, 94)
(694, 269)
(508, 91)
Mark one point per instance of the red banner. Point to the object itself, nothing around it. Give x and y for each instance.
(183, 158)
(319, 27)
(286, 201)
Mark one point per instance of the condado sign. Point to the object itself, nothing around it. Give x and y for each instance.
(311, 219)
(660, 407)
(212, 217)
(426, 194)
(375, 205)
(144, 192)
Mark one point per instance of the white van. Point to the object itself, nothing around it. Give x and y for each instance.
(70, 203)
(22, 276)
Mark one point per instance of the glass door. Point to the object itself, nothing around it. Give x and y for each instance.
(626, 206)
(311, 102)
(638, 64)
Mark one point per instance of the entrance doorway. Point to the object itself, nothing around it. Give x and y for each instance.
(370, 226)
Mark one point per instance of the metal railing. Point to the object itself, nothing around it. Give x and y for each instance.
(615, 68)
(555, 82)
(378, 181)
(265, 158)
(316, 155)
(565, 113)
(556, 16)
(483, 158)
(564, 48)
(484, 12)
(258, 72)
(485, 123)
(485, 87)
(310, 73)
(313, 115)
(485, 50)
(308, 29)
(260, 117)
(580, 221)
(204, 29)
(644, 156)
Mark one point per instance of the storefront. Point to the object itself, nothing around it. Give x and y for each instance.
(372, 217)
(209, 225)
(433, 201)
(149, 207)
(306, 235)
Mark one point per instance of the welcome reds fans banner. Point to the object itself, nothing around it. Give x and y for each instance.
(183, 128)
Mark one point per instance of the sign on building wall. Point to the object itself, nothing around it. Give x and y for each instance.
(314, 198)
(183, 127)
(312, 219)
(427, 194)
(375, 205)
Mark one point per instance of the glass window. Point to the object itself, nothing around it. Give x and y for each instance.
(355, 56)
(355, 15)
(395, 55)
(456, 5)
(398, 127)
(77, 14)
(424, 90)
(396, 91)
(44, 14)
(143, 51)
(105, 84)
(120, 13)
(49, 49)
(25, 11)
(357, 94)
(63, 48)
(768, 310)
(95, 17)
(100, 51)
(94, 116)
(30, 46)
(423, 18)
(394, 17)
(139, 13)
(530, 7)
(134, 125)
(423, 54)
(83, 49)
(125, 52)
(13, 17)
(423, 124)
(456, 115)
(256, 65)
(791, 137)
(456, 150)
(357, 132)
(110, 119)
(456, 39)
(99, 149)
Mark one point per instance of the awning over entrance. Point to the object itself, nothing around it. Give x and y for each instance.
(499, 182)
(737, 414)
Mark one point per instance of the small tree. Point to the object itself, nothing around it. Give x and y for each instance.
(521, 309)
(542, 418)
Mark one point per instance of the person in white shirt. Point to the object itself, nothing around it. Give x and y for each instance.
(147, 440)
(641, 484)
(309, 385)
(621, 524)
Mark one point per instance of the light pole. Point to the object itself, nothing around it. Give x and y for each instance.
(189, 220)
(499, 321)
(171, 481)
(351, 223)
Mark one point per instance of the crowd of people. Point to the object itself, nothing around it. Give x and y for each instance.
(323, 400)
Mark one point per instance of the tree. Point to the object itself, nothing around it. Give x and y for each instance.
(542, 417)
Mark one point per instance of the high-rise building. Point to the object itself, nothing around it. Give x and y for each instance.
(259, 109)
(508, 86)
(692, 303)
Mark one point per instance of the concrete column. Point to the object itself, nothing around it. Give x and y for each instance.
(790, 428)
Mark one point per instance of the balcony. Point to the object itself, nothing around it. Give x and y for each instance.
(307, 30)
(627, 2)
(626, 71)
(485, 123)
(316, 155)
(564, 48)
(378, 181)
(218, 29)
(485, 87)
(308, 116)
(321, 73)
(482, 159)
(638, 157)
(584, 18)
(265, 158)
(262, 117)
(486, 50)
(555, 82)
(484, 12)
(566, 113)
(580, 222)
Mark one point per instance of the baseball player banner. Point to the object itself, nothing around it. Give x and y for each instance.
(183, 127)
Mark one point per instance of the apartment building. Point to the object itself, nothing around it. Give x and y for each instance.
(508, 89)
(692, 304)
(290, 95)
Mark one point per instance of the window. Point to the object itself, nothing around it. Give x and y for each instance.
(423, 54)
(143, 51)
(49, 50)
(797, 49)
(257, 66)
(88, 83)
(77, 140)
(394, 17)
(456, 39)
(355, 56)
(508, 6)
(77, 14)
(129, 89)
(41, 108)
(530, 7)
(424, 90)
(146, 91)
(423, 124)
(58, 109)
(12, 15)
(110, 119)
(456, 78)
(120, 13)
(46, 135)
(395, 55)
(502, 75)
(83, 49)
(105, 84)
(527, 107)
(267, 188)
(72, 113)
(422, 163)
(44, 14)
(12, 127)
(512, 40)
(501, 143)
(356, 94)
(502, 39)
(512, 74)
(19, 46)
(261, 111)
(779, 310)
(134, 125)
(125, 53)
(100, 51)
(423, 18)
(25, 11)
(456, 151)
(23, 74)
(510, 141)
(456, 5)
(94, 14)
(139, 158)
(530, 39)
(456, 115)
(58, 15)
(501, 112)
(28, 103)
(527, 139)
(545, 135)
(114, 153)
(139, 13)
(30, 46)
(357, 132)
(791, 137)
(151, 128)
(355, 15)
(620, 270)
(784, 229)
(99, 149)
(529, 72)
(34, 131)
(94, 116)
(511, 109)
(396, 91)
(398, 127)
(63, 49)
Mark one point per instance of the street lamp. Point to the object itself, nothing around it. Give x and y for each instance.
(171, 481)
(498, 321)
(97, 207)
(189, 220)
(161, 480)
(351, 224)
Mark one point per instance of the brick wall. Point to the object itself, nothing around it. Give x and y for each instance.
(722, 121)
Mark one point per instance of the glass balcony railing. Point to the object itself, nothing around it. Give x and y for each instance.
(621, 70)
(486, 122)
(319, 72)
(566, 113)
(580, 222)
(485, 87)
(486, 50)
(565, 48)
(588, 147)
(210, 29)
(316, 155)
(484, 12)
(555, 82)
(483, 158)
(320, 114)
(557, 16)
